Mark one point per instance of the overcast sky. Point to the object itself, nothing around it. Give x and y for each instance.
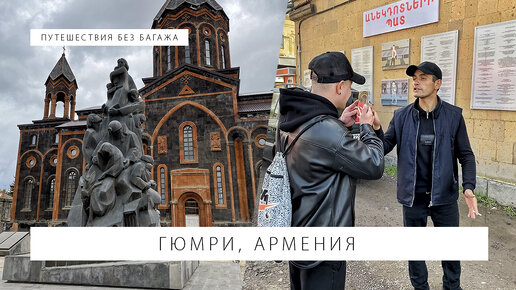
(255, 38)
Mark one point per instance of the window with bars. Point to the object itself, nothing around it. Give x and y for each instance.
(222, 57)
(51, 187)
(220, 192)
(71, 185)
(188, 147)
(207, 49)
(162, 185)
(27, 198)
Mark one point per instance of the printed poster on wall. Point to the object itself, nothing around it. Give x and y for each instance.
(362, 63)
(400, 15)
(395, 92)
(396, 54)
(441, 49)
(494, 67)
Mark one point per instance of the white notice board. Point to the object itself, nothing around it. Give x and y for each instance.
(493, 84)
(362, 63)
(441, 49)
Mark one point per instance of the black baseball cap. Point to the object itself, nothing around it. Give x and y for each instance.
(333, 67)
(426, 67)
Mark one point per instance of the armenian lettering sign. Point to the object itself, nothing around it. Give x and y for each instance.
(400, 15)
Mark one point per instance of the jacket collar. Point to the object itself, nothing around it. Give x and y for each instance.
(435, 111)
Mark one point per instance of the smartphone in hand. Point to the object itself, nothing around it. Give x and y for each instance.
(363, 99)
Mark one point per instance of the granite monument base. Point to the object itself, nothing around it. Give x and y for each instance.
(14, 243)
(160, 275)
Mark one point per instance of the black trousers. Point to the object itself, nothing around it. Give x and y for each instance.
(327, 275)
(442, 216)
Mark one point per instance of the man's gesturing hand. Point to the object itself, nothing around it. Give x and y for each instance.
(471, 201)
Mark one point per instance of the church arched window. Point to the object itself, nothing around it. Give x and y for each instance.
(71, 186)
(222, 57)
(188, 143)
(27, 193)
(33, 139)
(169, 58)
(51, 188)
(220, 185)
(187, 55)
(207, 52)
(162, 185)
(156, 63)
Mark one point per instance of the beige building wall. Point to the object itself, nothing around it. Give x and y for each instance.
(288, 45)
(492, 133)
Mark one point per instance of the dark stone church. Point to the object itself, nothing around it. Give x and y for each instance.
(206, 138)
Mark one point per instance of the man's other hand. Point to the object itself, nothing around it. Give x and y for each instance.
(376, 122)
(349, 114)
(367, 116)
(471, 201)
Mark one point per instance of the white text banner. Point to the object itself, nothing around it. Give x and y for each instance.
(109, 37)
(233, 243)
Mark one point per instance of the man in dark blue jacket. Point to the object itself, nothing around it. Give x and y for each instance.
(431, 136)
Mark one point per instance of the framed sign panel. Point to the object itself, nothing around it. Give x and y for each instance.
(395, 92)
(362, 63)
(441, 49)
(396, 54)
(493, 85)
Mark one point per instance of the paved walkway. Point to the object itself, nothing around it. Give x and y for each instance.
(209, 275)
(216, 275)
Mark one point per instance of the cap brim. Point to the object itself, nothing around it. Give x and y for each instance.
(411, 70)
(358, 79)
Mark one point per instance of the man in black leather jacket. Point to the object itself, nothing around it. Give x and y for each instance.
(325, 161)
(431, 136)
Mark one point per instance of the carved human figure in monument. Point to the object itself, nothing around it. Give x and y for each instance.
(126, 141)
(91, 137)
(123, 98)
(139, 121)
(141, 178)
(102, 195)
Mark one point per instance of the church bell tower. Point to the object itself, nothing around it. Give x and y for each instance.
(61, 86)
(208, 27)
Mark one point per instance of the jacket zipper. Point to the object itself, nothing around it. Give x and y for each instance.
(433, 161)
(415, 163)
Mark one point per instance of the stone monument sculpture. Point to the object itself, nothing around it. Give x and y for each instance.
(116, 188)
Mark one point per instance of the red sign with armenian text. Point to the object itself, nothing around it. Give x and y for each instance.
(400, 15)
